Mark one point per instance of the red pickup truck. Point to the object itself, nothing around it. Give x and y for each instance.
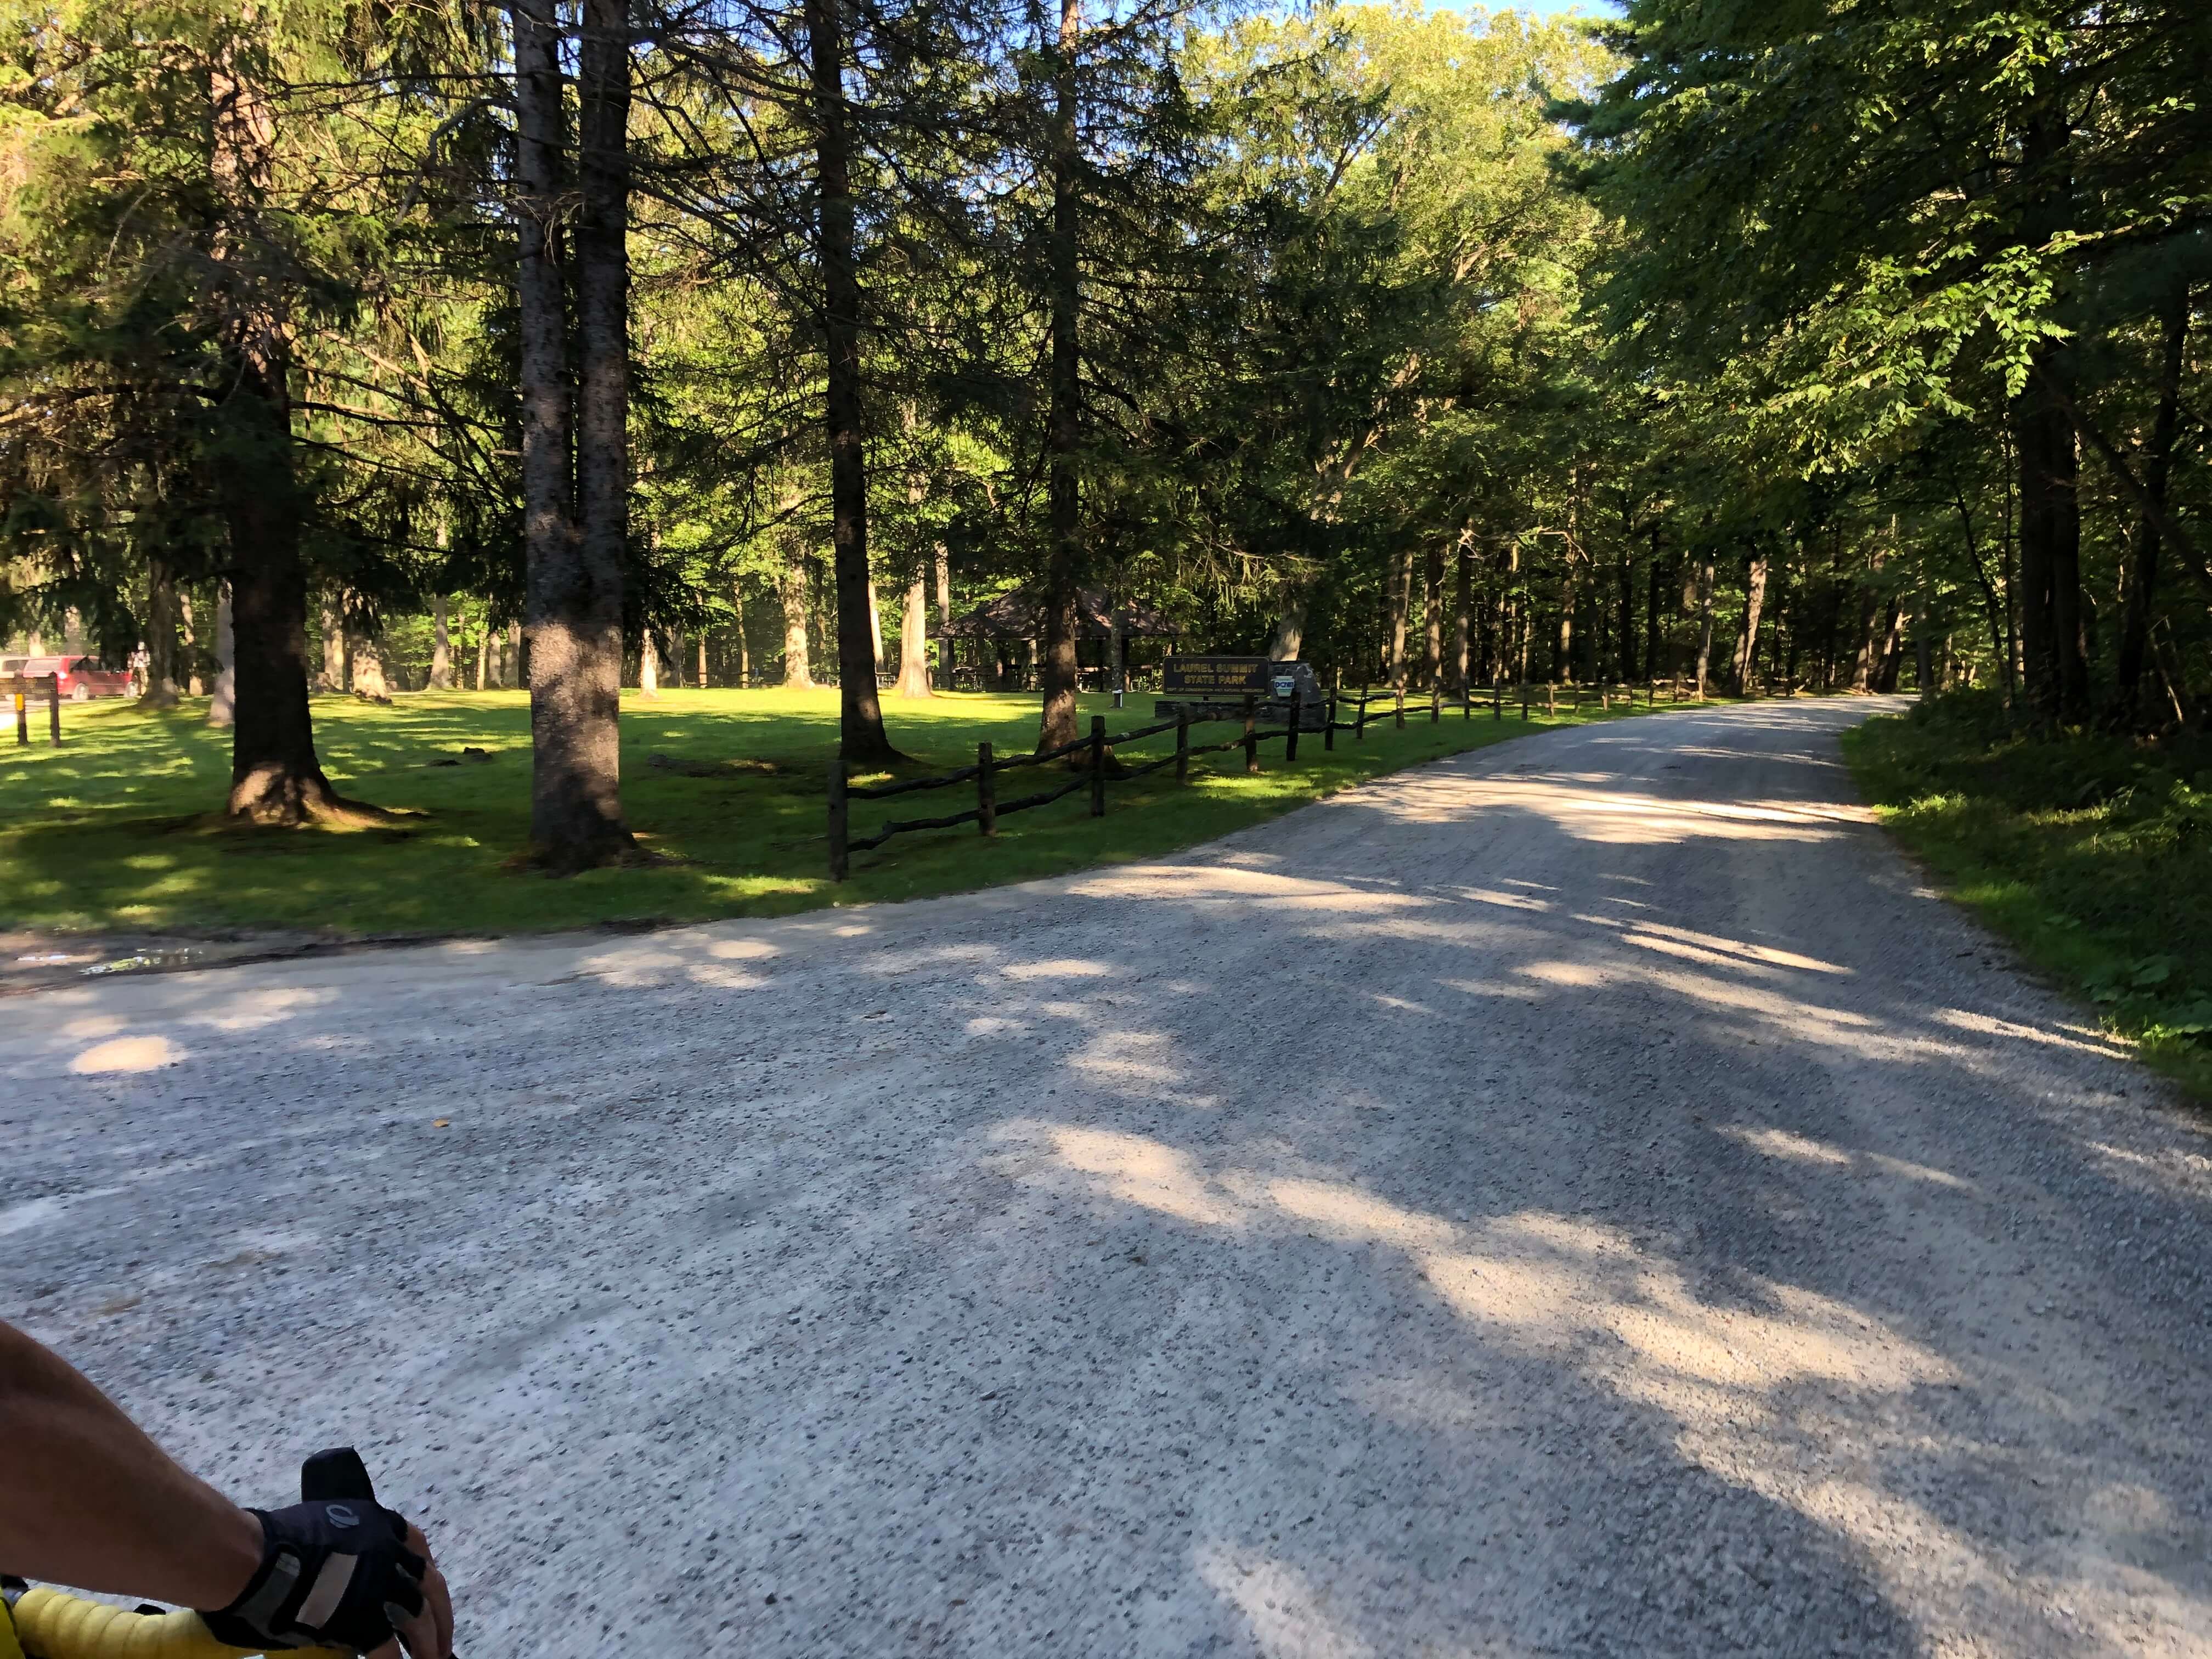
(82, 677)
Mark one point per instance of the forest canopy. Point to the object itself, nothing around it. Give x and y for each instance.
(1827, 345)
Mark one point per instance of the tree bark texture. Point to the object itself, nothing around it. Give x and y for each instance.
(574, 542)
(441, 647)
(1755, 599)
(160, 635)
(2143, 555)
(276, 777)
(797, 676)
(1464, 610)
(1705, 620)
(1433, 612)
(913, 636)
(1402, 599)
(222, 703)
(860, 719)
(1063, 434)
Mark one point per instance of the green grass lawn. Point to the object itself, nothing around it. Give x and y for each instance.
(115, 829)
(2092, 853)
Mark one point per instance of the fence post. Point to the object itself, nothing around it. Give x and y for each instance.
(1436, 702)
(1183, 745)
(1498, 699)
(1359, 721)
(54, 706)
(1097, 765)
(1551, 698)
(838, 863)
(1398, 700)
(1466, 699)
(986, 792)
(22, 716)
(1328, 731)
(1524, 700)
(1251, 735)
(1297, 714)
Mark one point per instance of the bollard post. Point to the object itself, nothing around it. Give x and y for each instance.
(54, 707)
(1498, 699)
(1524, 700)
(1401, 706)
(1436, 702)
(1297, 714)
(1328, 731)
(838, 862)
(1466, 699)
(1097, 765)
(1183, 745)
(1251, 735)
(22, 719)
(986, 792)
(1551, 698)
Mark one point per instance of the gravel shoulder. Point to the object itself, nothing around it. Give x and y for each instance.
(1585, 1196)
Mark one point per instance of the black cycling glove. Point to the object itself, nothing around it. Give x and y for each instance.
(334, 1573)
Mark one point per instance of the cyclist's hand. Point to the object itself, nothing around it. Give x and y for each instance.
(345, 1573)
(429, 1633)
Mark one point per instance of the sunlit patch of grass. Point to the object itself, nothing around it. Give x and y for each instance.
(133, 836)
(2091, 853)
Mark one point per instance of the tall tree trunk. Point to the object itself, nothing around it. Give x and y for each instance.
(483, 652)
(441, 647)
(1464, 610)
(368, 679)
(1655, 580)
(648, 667)
(223, 705)
(913, 635)
(1289, 637)
(1625, 655)
(703, 659)
(1893, 649)
(1755, 599)
(797, 677)
(1433, 613)
(2057, 675)
(575, 573)
(2142, 573)
(738, 627)
(1402, 599)
(1562, 644)
(193, 650)
(861, 717)
(943, 615)
(333, 674)
(1063, 434)
(160, 689)
(275, 776)
(1706, 584)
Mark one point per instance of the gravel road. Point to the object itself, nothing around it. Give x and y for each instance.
(1585, 1197)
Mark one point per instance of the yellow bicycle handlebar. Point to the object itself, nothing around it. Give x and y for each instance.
(52, 1624)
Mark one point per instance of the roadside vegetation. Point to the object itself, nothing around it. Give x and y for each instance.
(725, 789)
(2092, 853)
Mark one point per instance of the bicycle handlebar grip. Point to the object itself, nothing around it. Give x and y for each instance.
(52, 1624)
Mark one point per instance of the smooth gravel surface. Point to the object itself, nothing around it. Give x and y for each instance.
(1585, 1197)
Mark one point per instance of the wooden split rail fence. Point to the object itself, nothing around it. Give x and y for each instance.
(1360, 706)
(20, 689)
